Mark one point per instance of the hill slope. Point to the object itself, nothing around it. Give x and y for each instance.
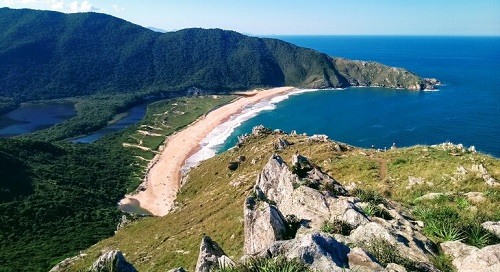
(45, 54)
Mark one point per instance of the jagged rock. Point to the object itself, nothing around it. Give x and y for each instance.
(122, 223)
(112, 261)
(470, 259)
(301, 162)
(319, 138)
(281, 144)
(360, 260)
(276, 180)
(179, 269)
(263, 225)
(211, 256)
(293, 133)
(260, 130)
(493, 227)
(319, 251)
(483, 172)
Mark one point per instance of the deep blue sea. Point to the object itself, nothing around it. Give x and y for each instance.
(466, 109)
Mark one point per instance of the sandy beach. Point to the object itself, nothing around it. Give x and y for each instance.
(163, 176)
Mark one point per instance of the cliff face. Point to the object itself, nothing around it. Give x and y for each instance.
(48, 54)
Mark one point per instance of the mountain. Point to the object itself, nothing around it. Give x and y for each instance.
(45, 54)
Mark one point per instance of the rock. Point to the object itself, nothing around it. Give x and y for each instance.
(430, 196)
(263, 225)
(319, 251)
(301, 162)
(260, 130)
(483, 173)
(233, 166)
(360, 260)
(242, 158)
(493, 227)
(211, 256)
(470, 259)
(461, 171)
(66, 263)
(392, 267)
(281, 144)
(475, 196)
(179, 269)
(319, 138)
(412, 181)
(293, 133)
(122, 223)
(112, 261)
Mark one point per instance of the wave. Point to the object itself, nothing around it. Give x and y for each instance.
(212, 143)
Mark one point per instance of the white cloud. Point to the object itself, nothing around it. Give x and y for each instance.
(85, 6)
(57, 4)
(117, 8)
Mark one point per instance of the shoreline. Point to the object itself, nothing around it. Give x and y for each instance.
(163, 176)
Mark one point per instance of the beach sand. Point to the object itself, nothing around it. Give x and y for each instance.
(163, 176)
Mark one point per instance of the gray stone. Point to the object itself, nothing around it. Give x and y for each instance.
(211, 256)
(319, 251)
(470, 259)
(493, 227)
(66, 263)
(430, 196)
(360, 260)
(263, 225)
(475, 196)
(392, 267)
(112, 261)
(281, 144)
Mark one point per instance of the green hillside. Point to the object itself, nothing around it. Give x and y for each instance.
(45, 54)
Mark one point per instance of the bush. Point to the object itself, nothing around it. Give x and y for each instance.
(279, 264)
(369, 196)
(337, 226)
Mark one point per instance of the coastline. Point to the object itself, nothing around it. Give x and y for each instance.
(164, 172)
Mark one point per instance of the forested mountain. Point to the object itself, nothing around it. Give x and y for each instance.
(45, 54)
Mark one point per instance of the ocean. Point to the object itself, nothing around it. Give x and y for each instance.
(466, 109)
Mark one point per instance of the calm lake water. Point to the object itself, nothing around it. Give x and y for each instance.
(32, 117)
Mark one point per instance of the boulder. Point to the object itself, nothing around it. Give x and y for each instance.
(360, 260)
(112, 261)
(211, 256)
(470, 259)
(66, 263)
(233, 166)
(179, 269)
(319, 251)
(263, 225)
(281, 144)
(493, 227)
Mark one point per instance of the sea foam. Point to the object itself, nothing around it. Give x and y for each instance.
(211, 144)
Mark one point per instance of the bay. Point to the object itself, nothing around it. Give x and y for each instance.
(464, 110)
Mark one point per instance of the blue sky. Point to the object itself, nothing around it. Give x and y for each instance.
(291, 17)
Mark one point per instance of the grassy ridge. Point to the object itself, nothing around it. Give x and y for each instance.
(211, 202)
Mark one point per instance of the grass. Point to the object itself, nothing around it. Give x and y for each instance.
(210, 204)
(279, 264)
(337, 226)
(387, 253)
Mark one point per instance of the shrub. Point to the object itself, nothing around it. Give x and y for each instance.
(387, 253)
(370, 196)
(337, 226)
(374, 210)
(279, 264)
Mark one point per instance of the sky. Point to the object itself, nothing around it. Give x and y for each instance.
(297, 17)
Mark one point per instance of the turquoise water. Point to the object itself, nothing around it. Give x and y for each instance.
(465, 110)
(34, 117)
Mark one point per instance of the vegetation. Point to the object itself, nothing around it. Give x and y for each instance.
(337, 226)
(45, 55)
(57, 199)
(279, 264)
(387, 253)
(173, 240)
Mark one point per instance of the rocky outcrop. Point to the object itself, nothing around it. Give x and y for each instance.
(112, 261)
(211, 256)
(471, 259)
(64, 264)
(483, 173)
(314, 197)
(281, 143)
(179, 269)
(264, 224)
